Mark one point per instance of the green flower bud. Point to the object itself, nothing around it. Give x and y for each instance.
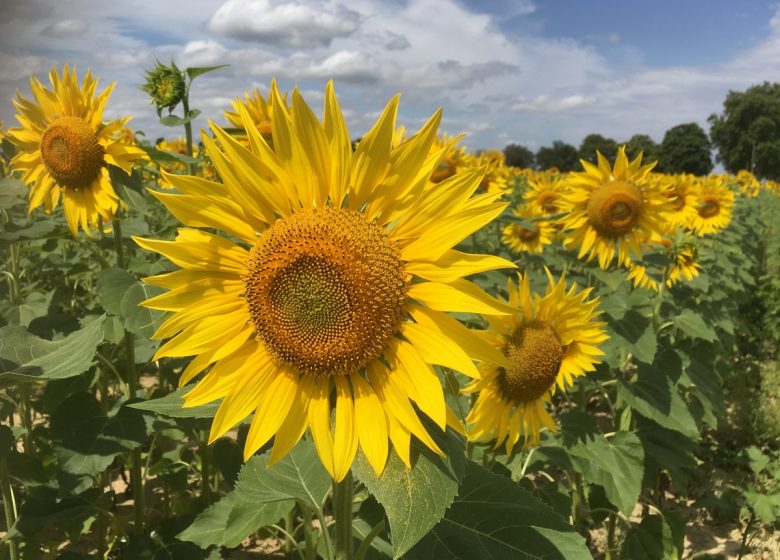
(165, 85)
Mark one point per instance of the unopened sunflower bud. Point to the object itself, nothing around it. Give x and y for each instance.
(165, 85)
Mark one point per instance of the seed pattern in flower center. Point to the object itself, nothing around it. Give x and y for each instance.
(535, 354)
(326, 290)
(525, 234)
(709, 207)
(615, 208)
(549, 202)
(71, 152)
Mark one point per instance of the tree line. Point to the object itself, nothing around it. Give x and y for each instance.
(746, 135)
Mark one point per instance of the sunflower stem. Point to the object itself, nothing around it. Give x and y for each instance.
(185, 104)
(205, 467)
(9, 506)
(342, 511)
(131, 388)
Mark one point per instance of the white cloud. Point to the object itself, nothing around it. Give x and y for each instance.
(292, 24)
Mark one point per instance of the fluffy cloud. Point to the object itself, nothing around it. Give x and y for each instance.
(291, 24)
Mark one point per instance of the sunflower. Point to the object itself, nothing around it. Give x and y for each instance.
(682, 198)
(452, 159)
(544, 195)
(64, 149)
(714, 201)
(524, 239)
(641, 278)
(748, 184)
(328, 288)
(548, 341)
(497, 177)
(260, 111)
(613, 206)
(685, 265)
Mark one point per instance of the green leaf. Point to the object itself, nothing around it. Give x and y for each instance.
(174, 120)
(34, 306)
(232, 519)
(172, 405)
(655, 538)
(112, 284)
(693, 325)
(654, 396)
(137, 319)
(87, 439)
(25, 357)
(195, 71)
(163, 156)
(616, 464)
(635, 333)
(415, 499)
(766, 506)
(299, 476)
(667, 449)
(12, 192)
(756, 459)
(493, 518)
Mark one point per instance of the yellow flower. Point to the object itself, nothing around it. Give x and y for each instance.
(531, 240)
(452, 159)
(544, 195)
(548, 341)
(684, 265)
(260, 111)
(335, 288)
(497, 177)
(748, 184)
(682, 208)
(714, 201)
(682, 255)
(64, 148)
(611, 207)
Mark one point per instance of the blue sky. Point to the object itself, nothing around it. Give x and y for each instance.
(526, 71)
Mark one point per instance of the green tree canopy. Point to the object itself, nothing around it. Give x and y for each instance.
(746, 134)
(685, 149)
(560, 155)
(596, 142)
(642, 143)
(517, 155)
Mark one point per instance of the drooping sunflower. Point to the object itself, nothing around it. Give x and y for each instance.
(685, 265)
(531, 239)
(545, 193)
(548, 340)
(64, 148)
(613, 210)
(714, 201)
(330, 288)
(260, 111)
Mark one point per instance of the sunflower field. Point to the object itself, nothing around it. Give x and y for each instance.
(280, 338)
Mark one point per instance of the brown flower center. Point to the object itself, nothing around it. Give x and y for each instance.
(71, 152)
(525, 234)
(709, 206)
(614, 208)
(326, 290)
(445, 170)
(535, 354)
(548, 202)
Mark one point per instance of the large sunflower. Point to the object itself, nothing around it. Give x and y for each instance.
(544, 195)
(64, 149)
(714, 201)
(548, 340)
(682, 207)
(335, 289)
(613, 207)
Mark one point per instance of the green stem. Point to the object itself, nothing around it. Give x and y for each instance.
(185, 103)
(289, 542)
(610, 536)
(366, 544)
(342, 511)
(9, 506)
(205, 467)
(308, 534)
(742, 546)
(131, 388)
(25, 411)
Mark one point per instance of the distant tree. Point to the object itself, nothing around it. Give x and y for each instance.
(516, 155)
(685, 149)
(561, 155)
(747, 134)
(596, 142)
(642, 143)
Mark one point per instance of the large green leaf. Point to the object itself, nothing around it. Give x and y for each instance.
(87, 440)
(693, 324)
(634, 332)
(137, 319)
(654, 396)
(299, 476)
(172, 405)
(415, 499)
(655, 538)
(112, 284)
(494, 519)
(232, 519)
(25, 357)
(12, 192)
(616, 464)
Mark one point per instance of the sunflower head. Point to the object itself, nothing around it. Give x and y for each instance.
(544, 196)
(613, 210)
(330, 286)
(165, 86)
(714, 203)
(547, 341)
(63, 148)
(528, 236)
(260, 111)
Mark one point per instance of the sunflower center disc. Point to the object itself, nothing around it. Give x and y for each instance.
(71, 152)
(445, 170)
(614, 208)
(526, 234)
(549, 202)
(709, 207)
(326, 290)
(535, 353)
